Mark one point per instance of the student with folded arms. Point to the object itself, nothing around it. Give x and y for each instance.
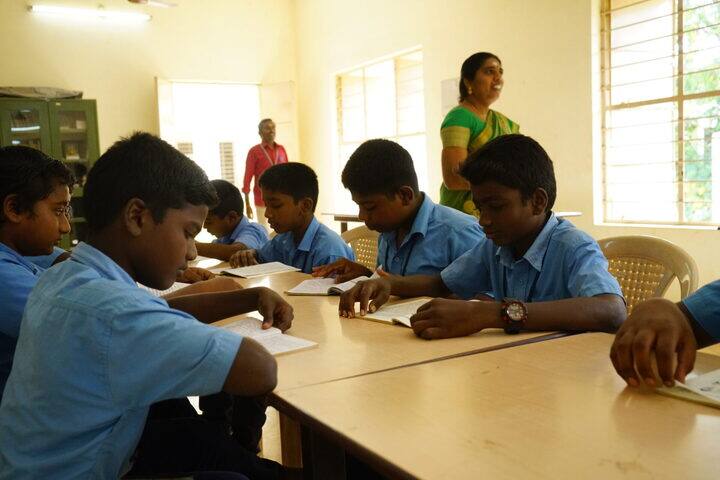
(541, 272)
(671, 332)
(231, 227)
(95, 352)
(290, 193)
(416, 235)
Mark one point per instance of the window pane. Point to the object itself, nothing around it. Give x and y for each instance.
(416, 146)
(410, 94)
(352, 106)
(380, 99)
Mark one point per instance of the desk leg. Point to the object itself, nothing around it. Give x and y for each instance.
(343, 227)
(290, 442)
(322, 458)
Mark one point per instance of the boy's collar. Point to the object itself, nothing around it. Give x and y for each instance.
(4, 249)
(309, 235)
(106, 266)
(536, 253)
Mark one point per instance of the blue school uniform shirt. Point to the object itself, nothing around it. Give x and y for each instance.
(563, 262)
(94, 353)
(46, 261)
(253, 235)
(18, 276)
(438, 236)
(704, 306)
(319, 246)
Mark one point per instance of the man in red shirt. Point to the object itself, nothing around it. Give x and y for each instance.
(261, 157)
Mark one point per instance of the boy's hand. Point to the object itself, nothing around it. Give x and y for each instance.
(343, 269)
(248, 211)
(655, 326)
(194, 274)
(443, 318)
(377, 290)
(276, 312)
(243, 258)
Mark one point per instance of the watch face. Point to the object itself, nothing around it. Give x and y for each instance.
(515, 312)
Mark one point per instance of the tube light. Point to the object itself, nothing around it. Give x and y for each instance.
(89, 13)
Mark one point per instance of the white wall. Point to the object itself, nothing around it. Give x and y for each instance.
(546, 48)
(248, 41)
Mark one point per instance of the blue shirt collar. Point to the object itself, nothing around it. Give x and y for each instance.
(309, 236)
(97, 260)
(536, 253)
(4, 249)
(419, 225)
(236, 232)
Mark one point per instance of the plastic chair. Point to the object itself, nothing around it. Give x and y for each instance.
(645, 266)
(364, 243)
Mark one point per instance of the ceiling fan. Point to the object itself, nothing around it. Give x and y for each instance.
(154, 3)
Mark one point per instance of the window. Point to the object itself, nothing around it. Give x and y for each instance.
(384, 99)
(661, 109)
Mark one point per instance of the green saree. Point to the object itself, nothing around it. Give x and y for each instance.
(462, 128)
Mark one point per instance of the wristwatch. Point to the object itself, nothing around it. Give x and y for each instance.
(514, 314)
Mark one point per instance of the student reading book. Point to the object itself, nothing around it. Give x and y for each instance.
(416, 235)
(231, 227)
(290, 192)
(96, 353)
(542, 272)
(670, 332)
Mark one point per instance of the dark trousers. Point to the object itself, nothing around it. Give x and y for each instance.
(177, 441)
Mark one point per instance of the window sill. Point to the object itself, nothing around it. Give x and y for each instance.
(658, 226)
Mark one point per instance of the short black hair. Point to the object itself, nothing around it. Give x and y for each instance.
(263, 121)
(292, 178)
(379, 166)
(470, 67)
(515, 161)
(145, 167)
(31, 175)
(229, 199)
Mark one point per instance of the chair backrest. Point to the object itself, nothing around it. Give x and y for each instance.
(364, 243)
(645, 266)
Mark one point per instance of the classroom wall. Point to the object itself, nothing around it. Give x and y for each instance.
(547, 50)
(223, 40)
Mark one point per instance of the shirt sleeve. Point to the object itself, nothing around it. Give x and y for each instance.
(249, 171)
(455, 130)
(463, 239)
(468, 275)
(268, 252)
(156, 353)
(16, 283)
(252, 237)
(588, 273)
(704, 306)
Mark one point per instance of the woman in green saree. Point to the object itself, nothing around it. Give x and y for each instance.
(471, 125)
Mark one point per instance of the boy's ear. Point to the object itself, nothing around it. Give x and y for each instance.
(406, 195)
(539, 201)
(306, 205)
(231, 217)
(10, 210)
(135, 216)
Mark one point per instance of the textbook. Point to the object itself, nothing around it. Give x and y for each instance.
(258, 270)
(160, 293)
(704, 389)
(272, 339)
(323, 286)
(398, 313)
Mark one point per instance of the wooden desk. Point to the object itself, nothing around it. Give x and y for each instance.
(552, 409)
(349, 347)
(345, 218)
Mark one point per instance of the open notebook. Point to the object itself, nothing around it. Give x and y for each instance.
(272, 339)
(703, 389)
(160, 293)
(256, 270)
(323, 286)
(397, 312)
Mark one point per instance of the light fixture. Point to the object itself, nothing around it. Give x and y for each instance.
(89, 14)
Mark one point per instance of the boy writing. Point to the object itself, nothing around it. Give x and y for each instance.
(95, 352)
(543, 273)
(416, 235)
(290, 192)
(226, 221)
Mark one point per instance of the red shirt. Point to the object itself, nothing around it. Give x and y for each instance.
(260, 158)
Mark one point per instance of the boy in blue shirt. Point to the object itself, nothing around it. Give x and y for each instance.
(95, 352)
(35, 194)
(290, 193)
(233, 229)
(542, 272)
(671, 332)
(416, 235)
